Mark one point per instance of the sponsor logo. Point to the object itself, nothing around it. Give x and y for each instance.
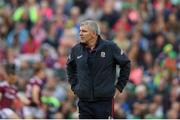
(103, 54)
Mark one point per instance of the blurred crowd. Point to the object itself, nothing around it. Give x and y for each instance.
(148, 31)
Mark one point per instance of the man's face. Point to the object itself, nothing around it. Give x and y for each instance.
(42, 74)
(86, 34)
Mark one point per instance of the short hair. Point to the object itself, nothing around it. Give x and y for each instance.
(38, 66)
(10, 68)
(92, 25)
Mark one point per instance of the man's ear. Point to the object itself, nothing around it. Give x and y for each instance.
(94, 34)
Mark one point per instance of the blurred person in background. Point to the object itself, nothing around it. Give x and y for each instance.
(91, 69)
(152, 112)
(9, 94)
(34, 92)
(121, 39)
(30, 46)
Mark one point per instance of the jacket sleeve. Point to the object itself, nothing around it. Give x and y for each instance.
(122, 60)
(71, 70)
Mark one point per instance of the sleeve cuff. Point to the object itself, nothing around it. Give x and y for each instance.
(119, 88)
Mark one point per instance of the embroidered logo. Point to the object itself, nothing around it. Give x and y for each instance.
(80, 56)
(103, 54)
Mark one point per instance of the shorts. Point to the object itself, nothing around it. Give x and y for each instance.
(33, 112)
(5, 113)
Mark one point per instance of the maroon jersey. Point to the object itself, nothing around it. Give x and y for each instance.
(34, 81)
(8, 94)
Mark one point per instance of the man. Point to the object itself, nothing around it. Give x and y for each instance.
(91, 69)
(9, 93)
(34, 93)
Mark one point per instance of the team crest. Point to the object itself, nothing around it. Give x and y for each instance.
(103, 54)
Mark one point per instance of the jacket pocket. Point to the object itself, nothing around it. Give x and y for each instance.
(103, 91)
(81, 92)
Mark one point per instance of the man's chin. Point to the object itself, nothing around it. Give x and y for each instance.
(84, 42)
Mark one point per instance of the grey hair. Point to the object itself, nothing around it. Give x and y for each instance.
(92, 25)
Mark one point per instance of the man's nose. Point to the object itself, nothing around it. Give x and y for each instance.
(81, 34)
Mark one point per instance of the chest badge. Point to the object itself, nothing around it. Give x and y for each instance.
(103, 54)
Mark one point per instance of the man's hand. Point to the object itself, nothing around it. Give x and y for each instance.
(116, 93)
(0, 96)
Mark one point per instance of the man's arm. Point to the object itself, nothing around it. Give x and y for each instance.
(1, 89)
(35, 94)
(122, 60)
(23, 98)
(71, 70)
(1, 92)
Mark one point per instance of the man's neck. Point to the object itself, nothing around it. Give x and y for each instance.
(92, 44)
(9, 82)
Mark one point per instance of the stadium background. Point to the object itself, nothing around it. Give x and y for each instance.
(147, 30)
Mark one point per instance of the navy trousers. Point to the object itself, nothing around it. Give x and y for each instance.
(95, 109)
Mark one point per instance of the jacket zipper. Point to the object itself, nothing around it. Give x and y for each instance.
(92, 88)
(91, 79)
(92, 85)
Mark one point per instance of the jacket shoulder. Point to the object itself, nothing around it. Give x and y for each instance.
(108, 43)
(76, 46)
